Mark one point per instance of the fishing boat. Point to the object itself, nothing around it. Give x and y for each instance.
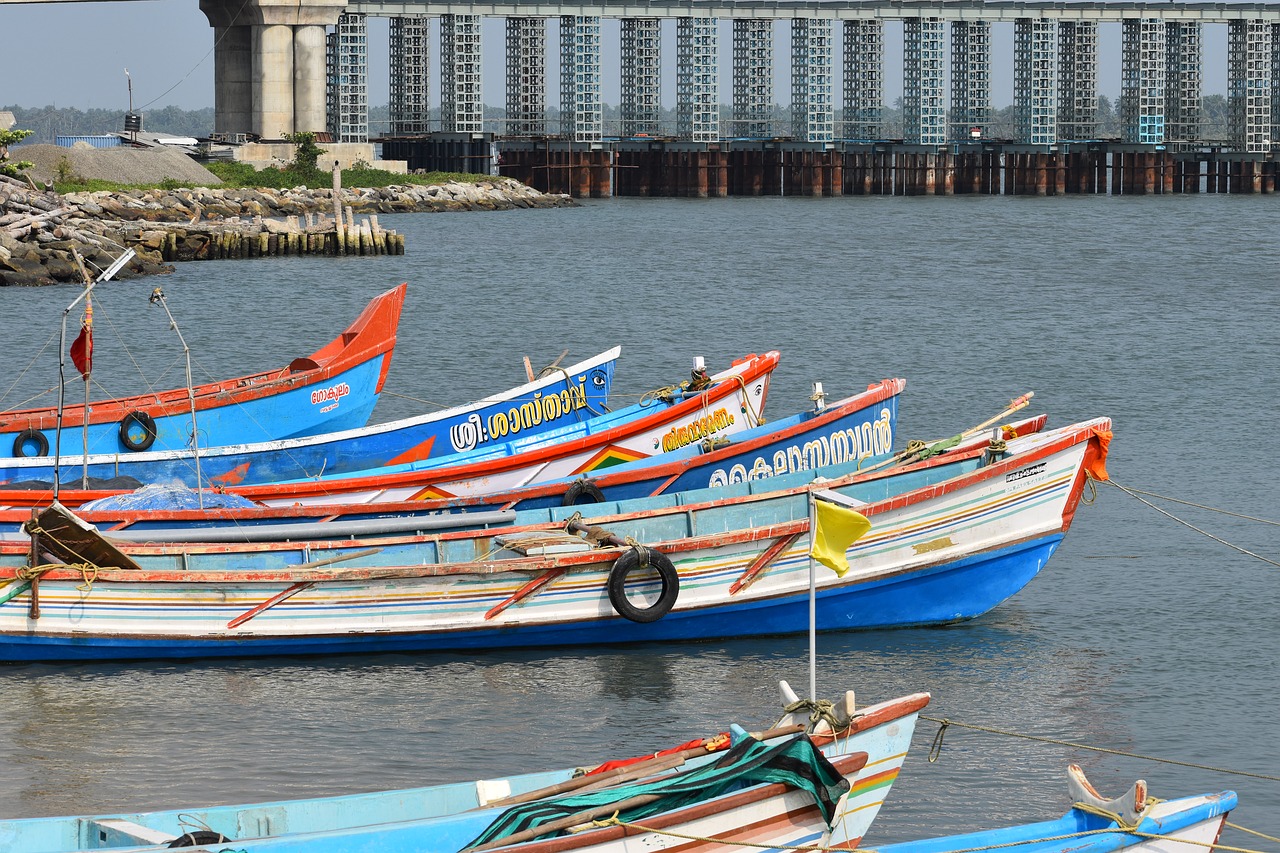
(942, 540)
(1131, 823)
(837, 774)
(334, 388)
(859, 428)
(565, 397)
(553, 428)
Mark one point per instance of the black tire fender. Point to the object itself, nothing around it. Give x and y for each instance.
(197, 838)
(580, 490)
(143, 420)
(34, 436)
(641, 557)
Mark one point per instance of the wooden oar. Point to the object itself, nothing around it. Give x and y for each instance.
(581, 784)
(1015, 405)
(15, 588)
(639, 769)
(298, 587)
(591, 814)
(565, 822)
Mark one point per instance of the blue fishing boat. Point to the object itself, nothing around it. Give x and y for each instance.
(334, 388)
(561, 398)
(1131, 823)
(858, 429)
(796, 783)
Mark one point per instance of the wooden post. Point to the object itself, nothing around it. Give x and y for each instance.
(337, 208)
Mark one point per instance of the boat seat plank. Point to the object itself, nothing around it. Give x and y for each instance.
(72, 541)
(538, 543)
(118, 832)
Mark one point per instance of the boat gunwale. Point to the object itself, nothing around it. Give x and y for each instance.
(123, 519)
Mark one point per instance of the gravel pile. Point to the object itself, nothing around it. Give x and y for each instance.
(121, 165)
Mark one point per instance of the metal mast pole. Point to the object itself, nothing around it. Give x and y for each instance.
(157, 296)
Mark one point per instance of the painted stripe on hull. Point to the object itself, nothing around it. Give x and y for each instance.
(955, 592)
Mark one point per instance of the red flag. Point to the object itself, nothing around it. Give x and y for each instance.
(82, 346)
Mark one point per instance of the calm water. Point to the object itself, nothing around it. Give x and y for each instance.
(1141, 635)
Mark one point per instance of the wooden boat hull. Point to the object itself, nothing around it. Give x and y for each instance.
(861, 427)
(579, 393)
(339, 467)
(949, 541)
(334, 388)
(431, 818)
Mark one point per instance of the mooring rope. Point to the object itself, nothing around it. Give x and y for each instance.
(413, 399)
(87, 568)
(754, 419)
(1248, 831)
(88, 573)
(36, 396)
(944, 723)
(568, 383)
(666, 394)
(102, 314)
(821, 710)
(1137, 496)
(1219, 510)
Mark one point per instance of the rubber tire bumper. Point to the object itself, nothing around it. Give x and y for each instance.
(141, 419)
(639, 558)
(32, 435)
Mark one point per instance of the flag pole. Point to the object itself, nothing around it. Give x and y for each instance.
(84, 421)
(62, 366)
(62, 392)
(813, 599)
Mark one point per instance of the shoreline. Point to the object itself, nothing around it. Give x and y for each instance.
(40, 231)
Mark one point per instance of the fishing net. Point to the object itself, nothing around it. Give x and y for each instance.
(793, 762)
(158, 496)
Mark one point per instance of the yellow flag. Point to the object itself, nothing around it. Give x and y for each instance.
(835, 529)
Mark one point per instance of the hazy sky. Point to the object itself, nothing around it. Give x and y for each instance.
(75, 55)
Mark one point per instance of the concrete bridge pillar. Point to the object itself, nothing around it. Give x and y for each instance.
(232, 79)
(309, 78)
(272, 80)
(269, 64)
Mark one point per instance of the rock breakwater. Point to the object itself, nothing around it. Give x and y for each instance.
(41, 231)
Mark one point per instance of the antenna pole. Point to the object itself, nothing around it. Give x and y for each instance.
(157, 296)
(133, 134)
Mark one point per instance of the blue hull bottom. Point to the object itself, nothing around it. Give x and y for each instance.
(937, 595)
